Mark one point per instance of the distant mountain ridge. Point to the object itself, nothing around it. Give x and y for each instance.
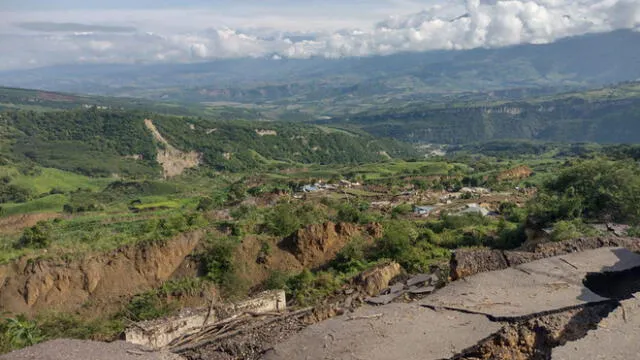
(588, 60)
(103, 142)
(606, 115)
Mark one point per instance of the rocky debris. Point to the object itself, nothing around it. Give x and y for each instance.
(616, 337)
(535, 339)
(421, 284)
(517, 173)
(619, 230)
(29, 286)
(162, 332)
(252, 344)
(394, 331)
(316, 244)
(84, 350)
(173, 161)
(467, 262)
(373, 281)
(535, 288)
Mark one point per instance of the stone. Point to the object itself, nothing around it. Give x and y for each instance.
(420, 279)
(383, 299)
(422, 290)
(373, 281)
(466, 262)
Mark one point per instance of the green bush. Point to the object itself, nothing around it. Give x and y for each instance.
(567, 230)
(404, 209)
(205, 204)
(14, 193)
(147, 306)
(218, 260)
(308, 288)
(20, 332)
(401, 244)
(352, 257)
(277, 280)
(36, 237)
(73, 326)
(286, 218)
(593, 189)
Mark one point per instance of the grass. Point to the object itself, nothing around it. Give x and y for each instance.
(51, 203)
(168, 204)
(47, 179)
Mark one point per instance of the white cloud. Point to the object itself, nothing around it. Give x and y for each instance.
(331, 31)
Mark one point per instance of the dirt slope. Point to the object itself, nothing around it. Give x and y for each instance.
(173, 161)
(317, 244)
(16, 223)
(29, 286)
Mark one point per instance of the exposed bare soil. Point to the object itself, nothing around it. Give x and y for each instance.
(33, 285)
(173, 161)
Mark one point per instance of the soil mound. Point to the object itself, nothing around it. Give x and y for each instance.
(29, 286)
(520, 172)
(317, 244)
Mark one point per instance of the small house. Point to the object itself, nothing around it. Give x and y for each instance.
(422, 210)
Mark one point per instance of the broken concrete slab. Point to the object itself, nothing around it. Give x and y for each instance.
(422, 290)
(539, 287)
(395, 331)
(421, 279)
(615, 339)
(394, 289)
(159, 333)
(383, 299)
(467, 262)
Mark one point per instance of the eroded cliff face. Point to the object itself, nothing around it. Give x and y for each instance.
(34, 285)
(316, 244)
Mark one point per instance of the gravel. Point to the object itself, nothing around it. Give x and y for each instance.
(87, 350)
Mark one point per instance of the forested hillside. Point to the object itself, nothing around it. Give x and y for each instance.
(106, 142)
(609, 115)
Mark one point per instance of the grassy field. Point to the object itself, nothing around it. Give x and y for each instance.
(46, 179)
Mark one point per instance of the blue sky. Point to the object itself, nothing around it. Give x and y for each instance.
(37, 32)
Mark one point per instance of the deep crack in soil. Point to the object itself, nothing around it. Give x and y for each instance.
(614, 285)
(535, 339)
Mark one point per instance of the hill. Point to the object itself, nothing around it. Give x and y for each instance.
(105, 141)
(589, 60)
(606, 115)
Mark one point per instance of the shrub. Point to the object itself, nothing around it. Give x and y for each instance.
(36, 237)
(403, 209)
(21, 332)
(352, 257)
(567, 230)
(277, 280)
(61, 325)
(307, 288)
(148, 306)
(219, 265)
(14, 193)
(594, 189)
(205, 204)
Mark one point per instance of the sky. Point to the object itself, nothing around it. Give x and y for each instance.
(51, 32)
